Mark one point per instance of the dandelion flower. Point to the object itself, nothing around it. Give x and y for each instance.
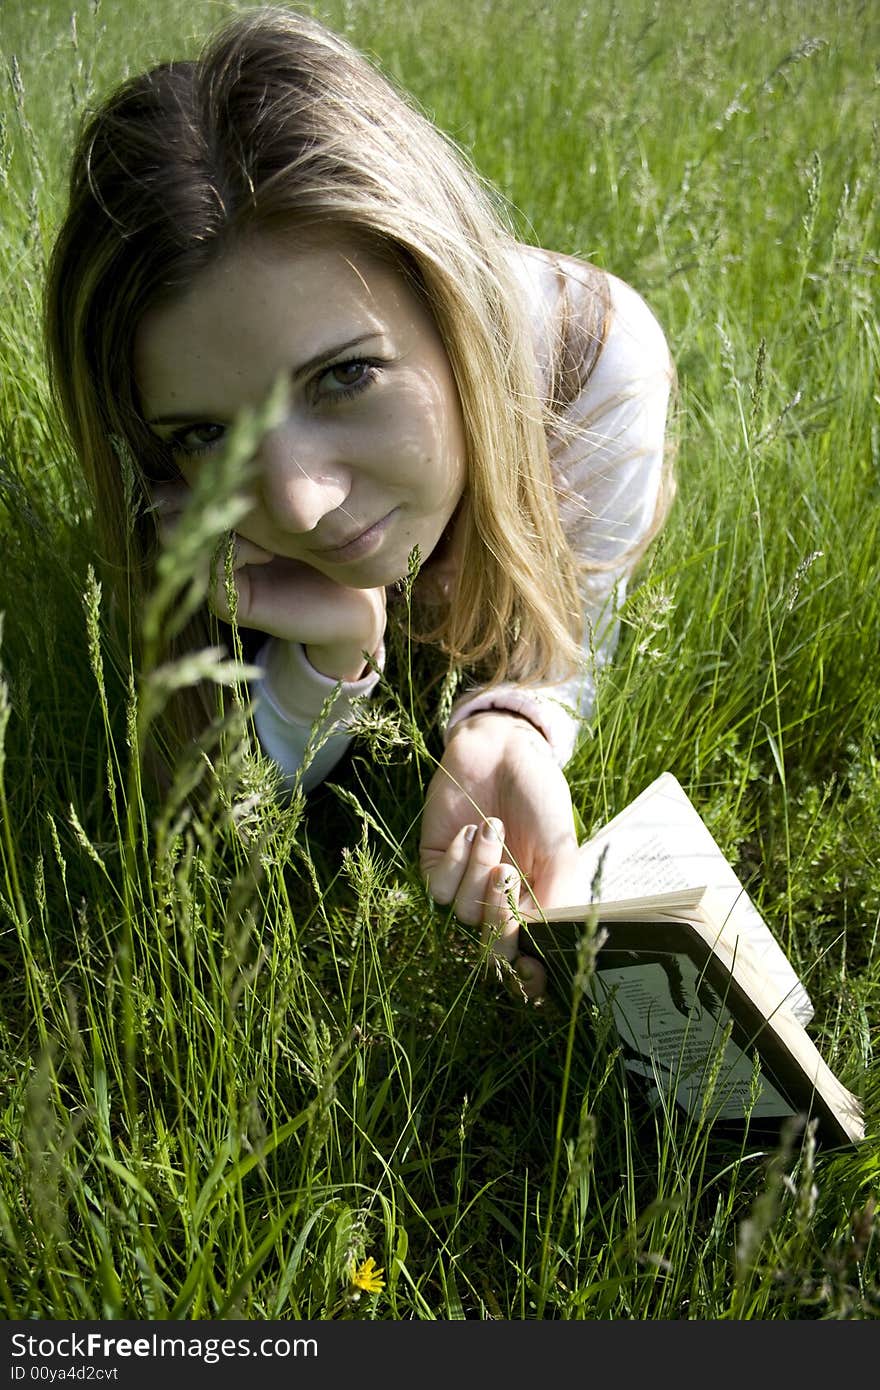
(367, 1277)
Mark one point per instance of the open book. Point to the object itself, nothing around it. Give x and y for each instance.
(707, 1006)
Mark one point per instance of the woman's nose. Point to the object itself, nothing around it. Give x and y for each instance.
(300, 483)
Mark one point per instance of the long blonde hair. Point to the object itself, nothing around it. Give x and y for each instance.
(281, 124)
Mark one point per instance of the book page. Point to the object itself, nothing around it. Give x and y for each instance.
(658, 844)
(673, 1037)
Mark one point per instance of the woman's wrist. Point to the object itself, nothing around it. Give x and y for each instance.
(506, 720)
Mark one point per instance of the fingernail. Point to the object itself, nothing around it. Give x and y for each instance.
(469, 833)
(531, 975)
(493, 829)
(506, 877)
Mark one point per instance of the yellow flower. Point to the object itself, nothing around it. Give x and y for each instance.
(367, 1277)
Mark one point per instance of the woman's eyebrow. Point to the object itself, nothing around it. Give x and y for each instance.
(304, 369)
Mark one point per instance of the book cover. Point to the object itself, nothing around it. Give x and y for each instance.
(708, 1009)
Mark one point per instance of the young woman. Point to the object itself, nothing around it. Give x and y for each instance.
(278, 208)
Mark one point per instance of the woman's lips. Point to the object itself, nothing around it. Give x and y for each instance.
(361, 545)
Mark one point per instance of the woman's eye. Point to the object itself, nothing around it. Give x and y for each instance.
(345, 379)
(198, 438)
(348, 373)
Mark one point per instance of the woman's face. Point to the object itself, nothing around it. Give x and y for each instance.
(369, 460)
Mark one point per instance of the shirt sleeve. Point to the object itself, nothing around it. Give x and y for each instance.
(302, 717)
(608, 466)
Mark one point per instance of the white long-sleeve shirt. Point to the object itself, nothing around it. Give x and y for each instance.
(608, 470)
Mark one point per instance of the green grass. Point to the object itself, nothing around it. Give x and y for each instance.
(239, 1047)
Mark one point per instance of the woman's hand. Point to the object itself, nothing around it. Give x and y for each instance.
(290, 600)
(499, 798)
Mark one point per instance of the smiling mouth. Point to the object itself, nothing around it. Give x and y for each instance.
(360, 545)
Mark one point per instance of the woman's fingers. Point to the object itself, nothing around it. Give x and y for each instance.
(486, 848)
(485, 892)
(290, 600)
(274, 594)
(501, 929)
(459, 875)
(531, 975)
(168, 501)
(500, 926)
(444, 870)
(246, 553)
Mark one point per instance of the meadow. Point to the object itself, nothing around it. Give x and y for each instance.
(241, 1052)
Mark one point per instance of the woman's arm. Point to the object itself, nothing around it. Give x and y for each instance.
(610, 476)
(506, 745)
(290, 701)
